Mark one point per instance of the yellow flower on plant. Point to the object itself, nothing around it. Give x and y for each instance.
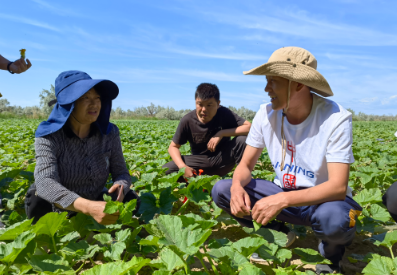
(22, 53)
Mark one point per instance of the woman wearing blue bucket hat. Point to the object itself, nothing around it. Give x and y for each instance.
(76, 150)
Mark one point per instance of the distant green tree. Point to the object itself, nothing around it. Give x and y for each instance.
(4, 103)
(45, 97)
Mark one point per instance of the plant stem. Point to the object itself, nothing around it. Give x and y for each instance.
(391, 252)
(92, 262)
(202, 263)
(210, 260)
(80, 267)
(55, 246)
(182, 207)
(126, 256)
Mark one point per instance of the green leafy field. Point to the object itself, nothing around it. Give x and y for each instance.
(191, 238)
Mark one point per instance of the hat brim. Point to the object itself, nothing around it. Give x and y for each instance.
(296, 72)
(74, 91)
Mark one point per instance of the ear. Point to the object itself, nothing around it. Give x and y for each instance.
(219, 103)
(300, 87)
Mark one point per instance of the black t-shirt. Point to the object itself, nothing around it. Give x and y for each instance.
(199, 134)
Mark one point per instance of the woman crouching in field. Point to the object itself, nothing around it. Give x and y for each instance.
(76, 149)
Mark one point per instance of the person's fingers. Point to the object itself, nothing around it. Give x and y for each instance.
(29, 64)
(113, 188)
(120, 196)
(247, 201)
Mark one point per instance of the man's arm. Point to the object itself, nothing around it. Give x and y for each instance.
(175, 154)
(332, 190)
(3, 63)
(240, 203)
(241, 130)
(18, 66)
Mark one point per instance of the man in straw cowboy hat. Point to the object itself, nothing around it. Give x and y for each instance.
(309, 142)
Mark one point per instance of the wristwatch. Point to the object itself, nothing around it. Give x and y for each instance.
(8, 67)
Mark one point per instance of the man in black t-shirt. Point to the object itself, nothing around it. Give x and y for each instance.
(208, 130)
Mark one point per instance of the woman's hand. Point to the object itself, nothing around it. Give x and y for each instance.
(119, 189)
(20, 66)
(95, 209)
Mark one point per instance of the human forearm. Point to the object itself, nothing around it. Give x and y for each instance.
(3, 63)
(80, 205)
(238, 131)
(176, 156)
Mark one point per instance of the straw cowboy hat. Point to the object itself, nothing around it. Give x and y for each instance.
(295, 64)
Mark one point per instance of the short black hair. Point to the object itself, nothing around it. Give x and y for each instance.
(206, 91)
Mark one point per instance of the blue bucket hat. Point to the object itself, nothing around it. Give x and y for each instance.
(70, 86)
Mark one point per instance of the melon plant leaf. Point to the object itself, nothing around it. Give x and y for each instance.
(50, 223)
(257, 225)
(387, 239)
(191, 219)
(268, 252)
(10, 251)
(170, 260)
(115, 251)
(283, 254)
(229, 255)
(379, 213)
(10, 233)
(52, 263)
(310, 256)
(380, 266)
(151, 206)
(367, 196)
(104, 238)
(272, 236)
(118, 267)
(248, 245)
(184, 239)
(249, 269)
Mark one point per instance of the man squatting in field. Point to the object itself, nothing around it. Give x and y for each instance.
(76, 149)
(309, 141)
(208, 130)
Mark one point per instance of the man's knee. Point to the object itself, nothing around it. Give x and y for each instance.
(172, 168)
(390, 200)
(332, 221)
(220, 189)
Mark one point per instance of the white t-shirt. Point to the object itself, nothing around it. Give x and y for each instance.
(325, 136)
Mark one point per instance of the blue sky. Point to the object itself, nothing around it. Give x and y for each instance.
(159, 51)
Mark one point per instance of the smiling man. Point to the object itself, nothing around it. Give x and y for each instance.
(309, 142)
(208, 130)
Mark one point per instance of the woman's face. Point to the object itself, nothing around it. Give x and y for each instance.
(86, 108)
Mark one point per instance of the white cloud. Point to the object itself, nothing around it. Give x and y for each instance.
(57, 10)
(29, 22)
(368, 100)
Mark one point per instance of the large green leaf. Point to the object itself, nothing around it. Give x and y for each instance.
(170, 259)
(10, 251)
(387, 239)
(151, 206)
(50, 223)
(52, 263)
(380, 266)
(310, 256)
(379, 213)
(367, 196)
(248, 245)
(184, 239)
(272, 236)
(118, 267)
(10, 233)
(115, 251)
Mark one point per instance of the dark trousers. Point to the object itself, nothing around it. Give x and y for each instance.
(37, 207)
(219, 164)
(333, 222)
(390, 200)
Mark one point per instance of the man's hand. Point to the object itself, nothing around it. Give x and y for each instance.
(189, 172)
(119, 189)
(95, 210)
(214, 141)
(20, 66)
(240, 203)
(268, 208)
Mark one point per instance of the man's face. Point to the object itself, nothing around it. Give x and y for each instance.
(87, 108)
(277, 88)
(206, 109)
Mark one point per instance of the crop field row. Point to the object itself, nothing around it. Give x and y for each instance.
(172, 237)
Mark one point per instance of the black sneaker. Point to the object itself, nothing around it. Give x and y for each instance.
(329, 268)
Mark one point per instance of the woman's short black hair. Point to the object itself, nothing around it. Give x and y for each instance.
(205, 91)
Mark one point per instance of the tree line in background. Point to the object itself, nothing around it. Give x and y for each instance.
(150, 112)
